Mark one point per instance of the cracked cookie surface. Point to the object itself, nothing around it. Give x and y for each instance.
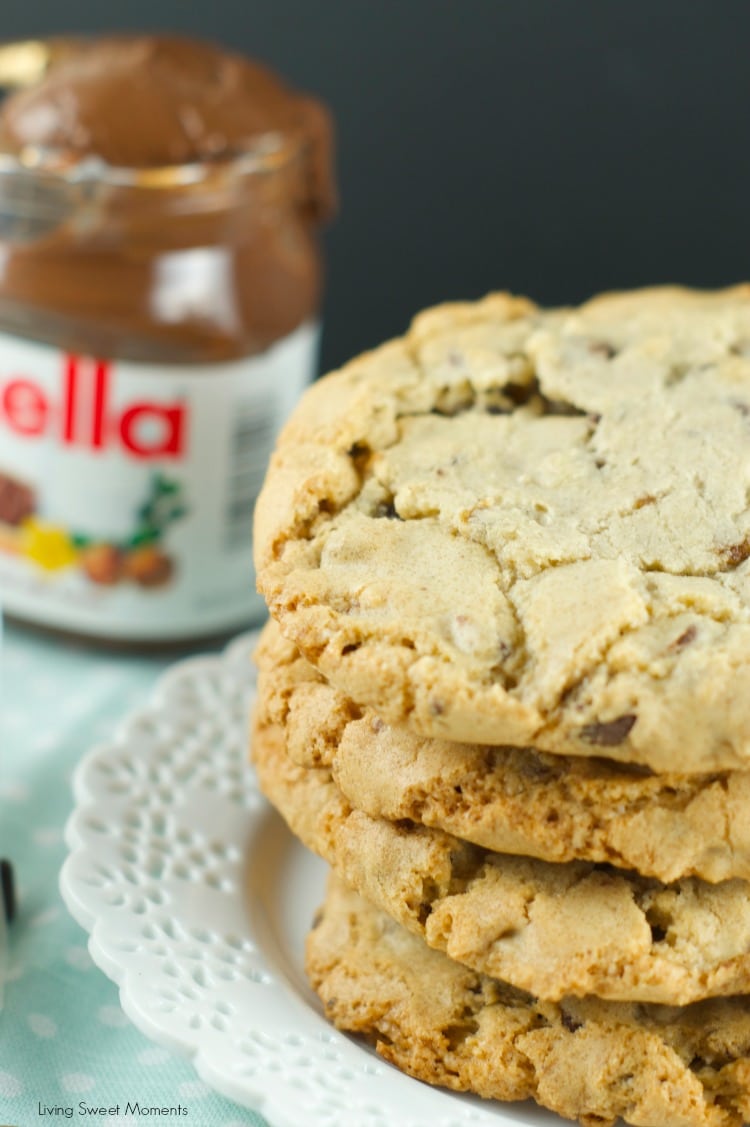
(558, 808)
(584, 1059)
(575, 928)
(531, 528)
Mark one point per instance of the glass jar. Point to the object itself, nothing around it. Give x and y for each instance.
(156, 327)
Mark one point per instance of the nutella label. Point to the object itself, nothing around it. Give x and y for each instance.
(127, 490)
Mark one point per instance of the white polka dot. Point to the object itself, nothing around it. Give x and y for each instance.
(79, 958)
(41, 1025)
(46, 741)
(48, 835)
(16, 660)
(10, 1085)
(13, 792)
(44, 686)
(72, 706)
(44, 918)
(77, 1082)
(14, 719)
(193, 1089)
(153, 1056)
(112, 1015)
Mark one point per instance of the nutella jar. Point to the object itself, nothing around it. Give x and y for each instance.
(159, 285)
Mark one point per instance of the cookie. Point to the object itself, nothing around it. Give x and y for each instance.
(577, 928)
(586, 1060)
(512, 800)
(527, 528)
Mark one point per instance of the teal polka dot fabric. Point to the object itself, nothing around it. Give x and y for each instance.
(65, 1043)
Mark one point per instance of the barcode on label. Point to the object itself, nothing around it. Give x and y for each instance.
(250, 445)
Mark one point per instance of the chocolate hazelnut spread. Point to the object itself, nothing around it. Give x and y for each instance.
(146, 101)
(160, 276)
(113, 233)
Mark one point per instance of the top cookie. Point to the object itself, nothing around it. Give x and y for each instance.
(531, 528)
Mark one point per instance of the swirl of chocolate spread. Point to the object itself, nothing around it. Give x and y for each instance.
(162, 201)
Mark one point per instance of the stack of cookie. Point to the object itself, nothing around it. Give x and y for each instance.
(505, 692)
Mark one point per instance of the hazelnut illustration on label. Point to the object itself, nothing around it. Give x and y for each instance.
(140, 558)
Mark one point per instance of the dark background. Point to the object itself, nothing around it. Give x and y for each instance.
(553, 147)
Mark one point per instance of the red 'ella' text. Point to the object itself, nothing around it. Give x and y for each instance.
(85, 417)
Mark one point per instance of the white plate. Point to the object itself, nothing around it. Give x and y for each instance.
(198, 900)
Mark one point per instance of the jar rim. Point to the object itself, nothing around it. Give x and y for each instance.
(22, 62)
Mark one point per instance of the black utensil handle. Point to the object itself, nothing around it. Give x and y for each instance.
(7, 889)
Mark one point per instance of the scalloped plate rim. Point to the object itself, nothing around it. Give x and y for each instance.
(457, 1110)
